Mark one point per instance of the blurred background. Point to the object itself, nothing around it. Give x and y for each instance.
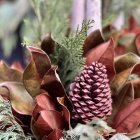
(27, 22)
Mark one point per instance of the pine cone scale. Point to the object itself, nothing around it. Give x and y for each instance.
(90, 94)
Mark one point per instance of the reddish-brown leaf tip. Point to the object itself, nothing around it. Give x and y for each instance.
(104, 54)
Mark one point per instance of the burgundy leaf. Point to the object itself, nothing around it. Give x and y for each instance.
(120, 100)
(55, 135)
(66, 115)
(52, 84)
(132, 23)
(94, 39)
(128, 118)
(135, 133)
(48, 44)
(104, 54)
(137, 43)
(44, 102)
(133, 27)
(119, 50)
(46, 122)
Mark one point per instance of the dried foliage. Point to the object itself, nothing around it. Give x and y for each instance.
(29, 105)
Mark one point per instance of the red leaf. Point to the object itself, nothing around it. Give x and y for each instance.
(53, 118)
(104, 54)
(135, 134)
(128, 118)
(46, 122)
(66, 115)
(119, 50)
(52, 84)
(17, 66)
(94, 39)
(137, 43)
(44, 102)
(55, 135)
(33, 74)
(123, 98)
(133, 26)
(132, 23)
(48, 44)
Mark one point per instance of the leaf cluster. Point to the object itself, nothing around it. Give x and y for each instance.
(125, 83)
(68, 51)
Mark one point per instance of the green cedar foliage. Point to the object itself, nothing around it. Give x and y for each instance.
(9, 128)
(68, 55)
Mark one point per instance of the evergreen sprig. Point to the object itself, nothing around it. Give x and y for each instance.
(9, 128)
(69, 55)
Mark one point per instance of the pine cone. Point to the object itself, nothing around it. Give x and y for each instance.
(90, 94)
